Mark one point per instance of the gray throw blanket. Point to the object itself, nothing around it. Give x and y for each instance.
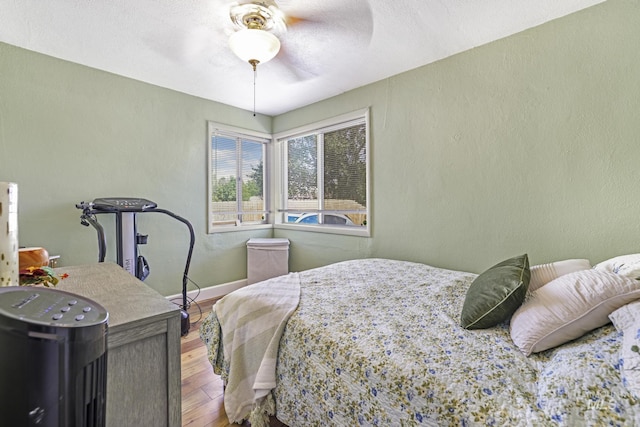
(252, 320)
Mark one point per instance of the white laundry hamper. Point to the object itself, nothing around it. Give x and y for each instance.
(267, 258)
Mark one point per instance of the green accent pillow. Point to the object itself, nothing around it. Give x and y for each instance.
(496, 294)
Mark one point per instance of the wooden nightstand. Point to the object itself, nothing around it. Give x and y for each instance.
(143, 344)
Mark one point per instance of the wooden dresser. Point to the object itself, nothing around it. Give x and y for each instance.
(143, 342)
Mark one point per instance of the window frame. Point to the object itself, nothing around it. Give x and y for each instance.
(267, 140)
(280, 173)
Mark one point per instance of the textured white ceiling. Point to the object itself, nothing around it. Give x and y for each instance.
(336, 46)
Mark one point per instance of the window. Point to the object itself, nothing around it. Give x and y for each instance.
(324, 176)
(237, 184)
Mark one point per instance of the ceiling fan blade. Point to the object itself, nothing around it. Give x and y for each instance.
(318, 34)
(291, 68)
(180, 46)
(292, 21)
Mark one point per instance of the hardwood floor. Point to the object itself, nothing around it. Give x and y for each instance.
(201, 389)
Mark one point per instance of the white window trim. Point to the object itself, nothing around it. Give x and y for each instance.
(212, 127)
(279, 173)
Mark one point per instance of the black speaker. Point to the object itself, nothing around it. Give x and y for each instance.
(53, 358)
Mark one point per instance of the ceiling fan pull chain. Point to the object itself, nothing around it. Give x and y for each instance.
(254, 63)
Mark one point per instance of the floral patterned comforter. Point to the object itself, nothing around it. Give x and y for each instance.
(378, 342)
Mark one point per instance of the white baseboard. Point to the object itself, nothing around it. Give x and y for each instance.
(210, 292)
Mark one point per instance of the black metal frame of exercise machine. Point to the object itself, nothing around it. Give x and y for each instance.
(128, 238)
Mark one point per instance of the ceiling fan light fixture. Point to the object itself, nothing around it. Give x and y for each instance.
(254, 45)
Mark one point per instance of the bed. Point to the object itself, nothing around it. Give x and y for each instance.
(379, 342)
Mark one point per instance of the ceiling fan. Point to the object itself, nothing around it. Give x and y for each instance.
(302, 37)
(319, 29)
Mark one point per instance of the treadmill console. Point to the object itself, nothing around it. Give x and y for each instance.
(123, 204)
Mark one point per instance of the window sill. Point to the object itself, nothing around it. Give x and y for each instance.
(215, 229)
(346, 231)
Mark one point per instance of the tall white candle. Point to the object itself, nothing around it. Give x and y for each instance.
(9, 258)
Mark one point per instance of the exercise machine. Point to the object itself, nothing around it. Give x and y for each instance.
(125, 210)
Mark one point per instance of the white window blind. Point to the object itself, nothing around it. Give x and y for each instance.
(325, 175)
(237, 193)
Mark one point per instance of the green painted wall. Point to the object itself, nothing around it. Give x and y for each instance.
(69, 133)
(528, 144)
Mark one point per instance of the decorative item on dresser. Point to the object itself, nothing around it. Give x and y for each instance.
(9, 234)
(35, 268)
(33, 257)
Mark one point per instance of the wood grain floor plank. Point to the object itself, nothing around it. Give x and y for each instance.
(202, 390)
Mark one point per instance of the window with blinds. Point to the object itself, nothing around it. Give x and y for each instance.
(326, 175)
(237, 191)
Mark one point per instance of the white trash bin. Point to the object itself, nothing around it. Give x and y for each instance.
(266, 258)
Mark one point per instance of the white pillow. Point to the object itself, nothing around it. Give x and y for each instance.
(625, 265)
(626, 319)
(542, 274)
(568, 307)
